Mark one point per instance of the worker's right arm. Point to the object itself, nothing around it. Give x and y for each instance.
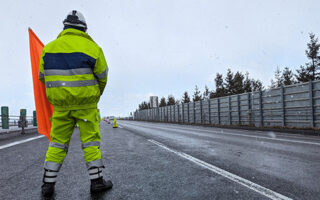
(41, 67)
(101, 71)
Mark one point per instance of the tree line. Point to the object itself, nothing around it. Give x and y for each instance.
(237, 82)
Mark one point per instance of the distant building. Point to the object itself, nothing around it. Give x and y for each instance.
(154, 102)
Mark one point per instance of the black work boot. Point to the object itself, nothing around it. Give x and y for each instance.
(47, 189)
(99, 185)
(49, 180)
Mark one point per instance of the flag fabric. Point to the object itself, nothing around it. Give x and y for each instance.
(44, 109)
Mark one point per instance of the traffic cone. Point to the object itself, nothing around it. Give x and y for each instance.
(115, 123)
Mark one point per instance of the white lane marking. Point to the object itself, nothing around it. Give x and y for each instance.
(235, 134)
(251, 185)
(289, 136)
(20, 142)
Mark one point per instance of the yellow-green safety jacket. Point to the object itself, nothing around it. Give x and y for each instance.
(74, 71)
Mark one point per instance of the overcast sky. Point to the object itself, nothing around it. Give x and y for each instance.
(160, 47)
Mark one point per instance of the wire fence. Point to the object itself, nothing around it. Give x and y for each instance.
(294, 106)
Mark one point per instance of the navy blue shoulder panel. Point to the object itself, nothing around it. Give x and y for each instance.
(68, 61)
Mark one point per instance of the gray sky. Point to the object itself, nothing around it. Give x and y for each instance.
(160, 47)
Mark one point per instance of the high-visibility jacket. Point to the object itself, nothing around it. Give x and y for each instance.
(74, 71)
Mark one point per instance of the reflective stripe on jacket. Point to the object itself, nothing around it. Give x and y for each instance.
(74, 70)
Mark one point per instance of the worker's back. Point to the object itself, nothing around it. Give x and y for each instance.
(71, 67)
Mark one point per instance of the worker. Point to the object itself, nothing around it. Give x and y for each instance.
(74, 71)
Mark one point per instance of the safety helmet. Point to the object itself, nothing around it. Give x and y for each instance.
(75, 18)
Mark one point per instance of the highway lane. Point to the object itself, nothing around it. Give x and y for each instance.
(285, 163)
(165, 161)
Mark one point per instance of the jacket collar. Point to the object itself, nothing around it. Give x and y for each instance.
(72, 31)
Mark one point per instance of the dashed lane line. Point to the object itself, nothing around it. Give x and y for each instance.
(251, 185)
(20, 142)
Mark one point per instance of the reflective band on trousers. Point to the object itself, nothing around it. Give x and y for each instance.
(67, 72)
(58, 145)
(95, 163)
(50, 176)
(41, 75)
(52, 166)
(89, 144)
(51, 173)
(95, 173)
(49, 179)
(103, 74)
(52, 84)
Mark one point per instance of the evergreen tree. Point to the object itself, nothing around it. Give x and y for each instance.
(238, 83)
(278, 79)
(256, 85)
(206, 93)
(312, 53)
(163, 102)
(171, 100)
(220, 90)
(229, 84)
(247, 83)
(143, 106)
(311, 70)
(303, 74)
(212, 95)
(185, 97)
(287, 76)
(197, 94)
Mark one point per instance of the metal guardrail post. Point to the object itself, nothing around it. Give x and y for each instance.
(283, 107)
(260, 108)
(182, 107)
(174, 113)
(311, 104)
(23, 120)
(201, 113)
(239, 115)
(219, 121)
(194, 112)
(229, 107)
(188, 113)
(249, 109)
(34, 118)
(209, 111)
(5, 117)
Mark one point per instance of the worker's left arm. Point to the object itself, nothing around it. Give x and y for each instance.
(101, 71)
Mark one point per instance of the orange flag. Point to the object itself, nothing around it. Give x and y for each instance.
(43, 107)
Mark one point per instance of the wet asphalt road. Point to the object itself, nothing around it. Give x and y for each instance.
(284, 163)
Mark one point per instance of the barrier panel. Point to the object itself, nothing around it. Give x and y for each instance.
(293, 106)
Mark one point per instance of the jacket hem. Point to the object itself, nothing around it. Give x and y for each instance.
(75, 107)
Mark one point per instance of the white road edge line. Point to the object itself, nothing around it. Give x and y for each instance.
(20, 142)
(239, 134)
(252, 186)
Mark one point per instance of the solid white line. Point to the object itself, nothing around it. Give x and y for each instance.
(252, 186)
(20, 142)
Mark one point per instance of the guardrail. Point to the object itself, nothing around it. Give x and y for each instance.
(14, 120)
(22, 121)
(294, 106)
